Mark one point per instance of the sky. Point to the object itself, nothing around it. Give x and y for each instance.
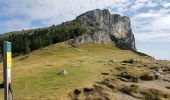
(150, 19)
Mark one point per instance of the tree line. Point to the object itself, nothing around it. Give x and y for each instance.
(26, 42)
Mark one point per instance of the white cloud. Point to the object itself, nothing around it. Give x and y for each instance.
(139, 4)
(152, 32)
(153, 21)
(153, 37)
(147, 15)
(166, 4)
(161, 23)
(151, 4)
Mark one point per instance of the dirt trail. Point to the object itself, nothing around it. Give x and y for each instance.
(121, 96)
(156, 84)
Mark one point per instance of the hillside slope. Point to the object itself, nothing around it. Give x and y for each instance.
(35, 75)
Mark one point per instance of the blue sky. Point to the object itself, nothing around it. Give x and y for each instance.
(150, 19)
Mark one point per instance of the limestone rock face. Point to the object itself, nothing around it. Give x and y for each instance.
(106, 28)
(97, 37)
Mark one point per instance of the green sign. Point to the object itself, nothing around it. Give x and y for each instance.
(8, 46)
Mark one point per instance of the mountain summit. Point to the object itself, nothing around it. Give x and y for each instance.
(96, 26)
(106, 28)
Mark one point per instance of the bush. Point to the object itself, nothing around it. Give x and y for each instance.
(130, 89)
(148, 77)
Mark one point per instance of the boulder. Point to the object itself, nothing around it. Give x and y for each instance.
(158, 76)
(63, 72)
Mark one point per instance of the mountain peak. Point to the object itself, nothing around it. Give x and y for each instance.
(109, 29)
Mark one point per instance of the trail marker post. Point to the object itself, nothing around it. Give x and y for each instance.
(7, 64)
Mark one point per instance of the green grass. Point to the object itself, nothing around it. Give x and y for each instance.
(35, 76)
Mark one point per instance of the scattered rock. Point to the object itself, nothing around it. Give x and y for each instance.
(87, 89)
(168, 87)
(156, 63)
(139, 66)
(124, 79)
(77, 92)
(105, 73)
(63, 72)
(131, 61)
(124, 64)
(145, 65)
(158, 76)
(166, 80)
(112, 61)
(159, 70)
(166, 77)
(94, 93)
(81, 61)
(75, 65)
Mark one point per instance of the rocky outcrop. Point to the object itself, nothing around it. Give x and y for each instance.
(106, 28)
(97, 37)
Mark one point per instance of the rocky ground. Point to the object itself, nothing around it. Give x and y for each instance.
(134, 79)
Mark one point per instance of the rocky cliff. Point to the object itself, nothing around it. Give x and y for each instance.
(106, 28)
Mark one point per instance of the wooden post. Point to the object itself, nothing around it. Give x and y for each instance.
(7, 60)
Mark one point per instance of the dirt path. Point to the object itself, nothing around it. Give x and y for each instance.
(156, 84)
(121, 96)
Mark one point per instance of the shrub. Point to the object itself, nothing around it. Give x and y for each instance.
(148, 77)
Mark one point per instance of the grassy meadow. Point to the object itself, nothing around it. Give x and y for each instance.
(35, 75)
